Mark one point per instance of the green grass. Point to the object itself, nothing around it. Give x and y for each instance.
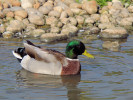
(102, 3)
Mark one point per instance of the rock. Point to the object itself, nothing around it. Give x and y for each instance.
(51, 20)
(10, 14)
(130, 9)
(7, 35)
(76, 11)
(36, 19)
(105, 25)
(94, 30)
(70, 28)
(55, 30)
(16, 3)
(63, 15)
(26, 21)
(65, 20)
(124, 13)
(2, 15)
(80, 19)
(12, 27)
(90, 6)
(18, 18)
(30, 27)
(61, 4)
(35, 16)
(27, 3)
(113, 46)
(104, 18)
(89, 20)
(37, 32)
(73, 21)
(5, 11)
(5, 5)
(16, 8)
(58, 8)
(68, 2)
(2, 29)
(45, 9)
(36, 5)
(114, 33)
(95, 17)
(54, 14)
(76, 5)
(117, 5)
(51, 37)
(60, 24)
(69, 12)
(21, 13)
(126, 21)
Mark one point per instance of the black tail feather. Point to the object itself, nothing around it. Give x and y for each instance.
(21, 52)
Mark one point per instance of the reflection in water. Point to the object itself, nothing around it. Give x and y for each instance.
(40, 81)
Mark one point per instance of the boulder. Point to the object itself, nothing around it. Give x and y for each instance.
(26, 21)
(105, 25)
(76, 11)
(130, 9)
(70, 28)
(54, 13)
(75, 5)
(2, 29)
(37, 32)
(114, 33)
(65, 20)
(95, 17)
(51, 20)
(12, 27)
(21, 13)
(89, 20)
(80, 19)
(90, 6)
(63, 15)
(10, 14)
(69, 12)
(51, 37)
(124, 13)
(104, 18)
(58, 8)
(111, 45)
(55, 30)
(72, 21)
(94, 30)
(27, 3)
(7, 34)
(126, 21)
(2, 15)
(45, 9)
(16, 3)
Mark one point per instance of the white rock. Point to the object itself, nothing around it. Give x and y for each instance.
(27, 3)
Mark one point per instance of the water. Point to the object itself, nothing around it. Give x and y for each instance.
(108, 77)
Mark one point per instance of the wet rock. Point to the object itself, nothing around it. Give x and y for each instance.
(45, 9)
(113, 46)
(7, 35)
(12, 27)
(51, 37)
(21, 13)
(27, 3)
(37, 32)
(55, 30)
(116, 33)
(54, 14)
(90, 6)
(94, 30)
(2, 29)
(130, 9)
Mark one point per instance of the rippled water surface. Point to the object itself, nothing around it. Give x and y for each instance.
(107, 77)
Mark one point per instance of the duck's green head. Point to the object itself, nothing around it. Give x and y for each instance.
(75, 48)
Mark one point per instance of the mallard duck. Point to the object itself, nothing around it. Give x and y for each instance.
(46, 61)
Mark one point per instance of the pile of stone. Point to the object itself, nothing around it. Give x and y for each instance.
(52, 20)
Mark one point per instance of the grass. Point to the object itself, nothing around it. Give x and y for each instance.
(102, 3)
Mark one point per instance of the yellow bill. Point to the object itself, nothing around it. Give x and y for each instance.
(88, 55)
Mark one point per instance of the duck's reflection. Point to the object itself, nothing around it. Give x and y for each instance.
(40, 81)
